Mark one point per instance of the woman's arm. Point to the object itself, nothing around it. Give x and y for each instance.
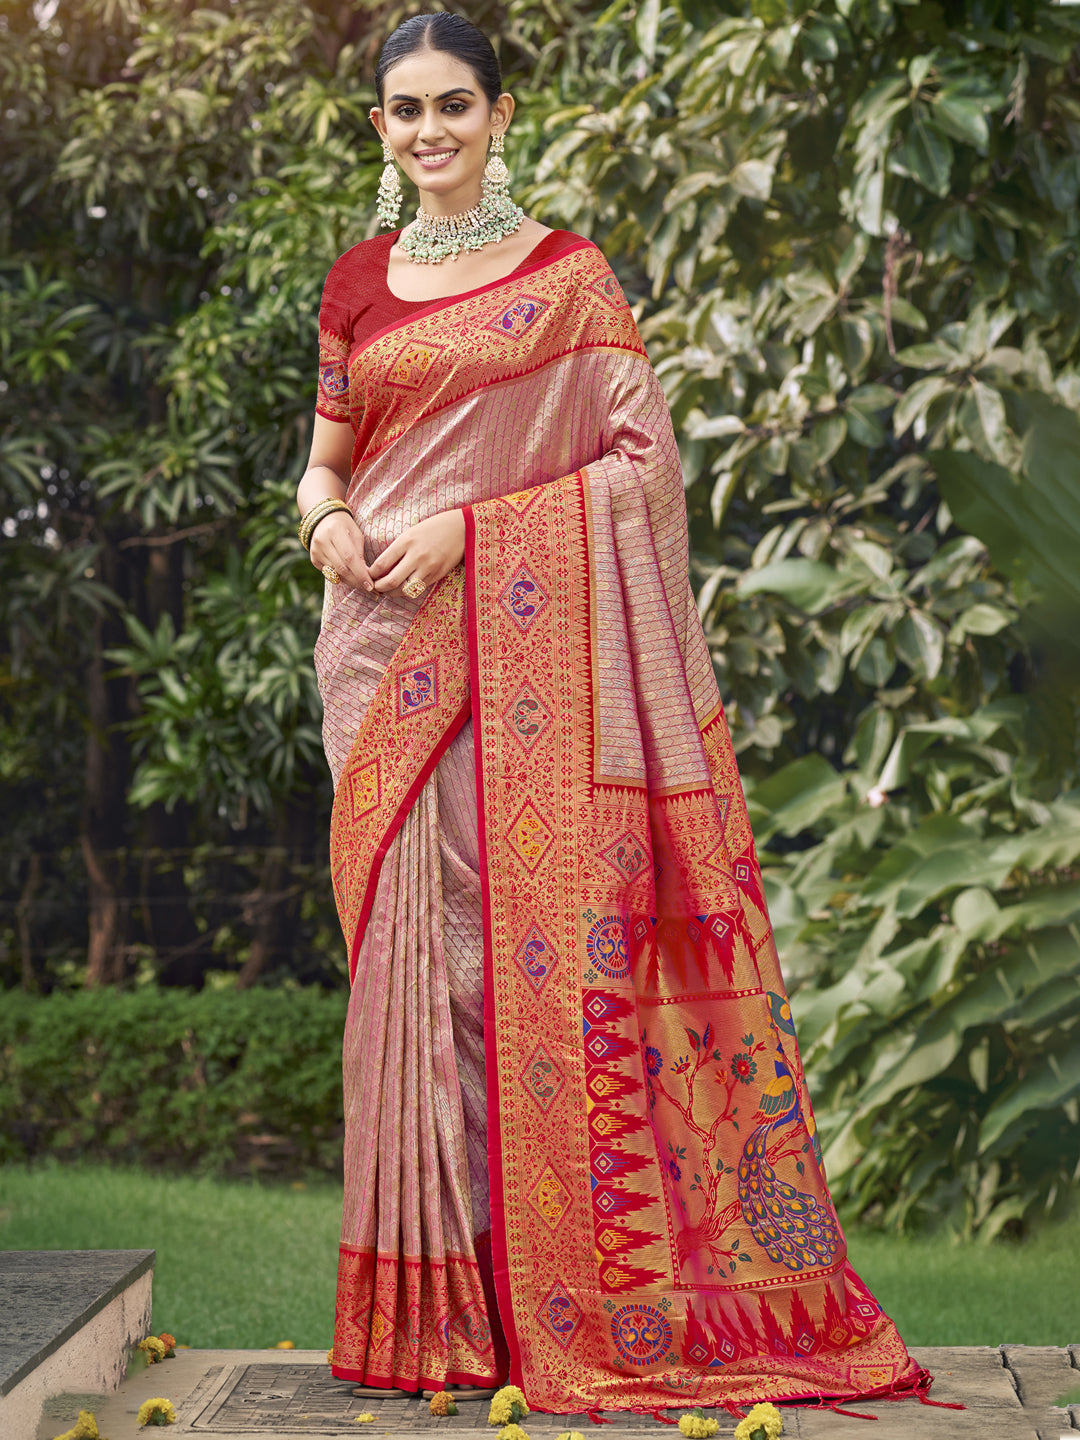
(338, 540)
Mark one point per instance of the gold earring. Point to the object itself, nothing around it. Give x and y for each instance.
(496, 180)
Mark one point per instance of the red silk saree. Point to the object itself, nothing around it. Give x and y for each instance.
(576, 1114)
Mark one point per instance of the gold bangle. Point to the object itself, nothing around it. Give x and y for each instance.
(317, 513)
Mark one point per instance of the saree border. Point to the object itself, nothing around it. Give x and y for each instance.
(359, 844)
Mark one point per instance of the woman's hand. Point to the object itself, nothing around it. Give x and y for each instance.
(425, 552)
(339, 542)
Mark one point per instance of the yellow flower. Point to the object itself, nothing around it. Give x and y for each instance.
(153, 1349)
(330, 1356)
(442, 1403)
(512, 1432)
(570, 1435)
(157, 1412)
(85, 1428)
(763, 1423)
(696, 1427)
(365, 1419)
(508, 1406)
(285, 1345)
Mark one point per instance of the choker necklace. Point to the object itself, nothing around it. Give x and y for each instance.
(435, 237)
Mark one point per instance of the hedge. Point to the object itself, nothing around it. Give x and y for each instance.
(219, 1081)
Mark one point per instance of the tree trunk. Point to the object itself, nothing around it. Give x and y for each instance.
(22, 921)
(104, 834)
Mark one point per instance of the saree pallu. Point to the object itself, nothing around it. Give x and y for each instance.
(661, 1230)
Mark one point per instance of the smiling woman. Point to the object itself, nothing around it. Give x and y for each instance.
(566, 997)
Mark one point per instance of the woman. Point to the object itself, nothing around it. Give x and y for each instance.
(579, 1147)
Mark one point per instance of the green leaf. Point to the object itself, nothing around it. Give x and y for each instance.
(1052, 1083)
(808, 584)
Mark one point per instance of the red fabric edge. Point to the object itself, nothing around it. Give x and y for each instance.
(387, 1382)
(438, 751)
(499, 1263)
(429, 307)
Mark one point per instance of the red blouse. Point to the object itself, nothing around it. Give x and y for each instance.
(357, 304)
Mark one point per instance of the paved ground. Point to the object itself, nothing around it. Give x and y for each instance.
(1011, 1393)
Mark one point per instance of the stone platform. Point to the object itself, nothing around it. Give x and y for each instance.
(67, 1320)
(1010, 1394)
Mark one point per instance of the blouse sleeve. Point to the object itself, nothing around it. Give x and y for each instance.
(333, 397)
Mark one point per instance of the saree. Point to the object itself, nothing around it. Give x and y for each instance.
(579, 1146)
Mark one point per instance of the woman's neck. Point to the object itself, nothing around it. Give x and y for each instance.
(455, 203)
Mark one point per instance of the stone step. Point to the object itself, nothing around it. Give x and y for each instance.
(243, 1394)
(67, 1320)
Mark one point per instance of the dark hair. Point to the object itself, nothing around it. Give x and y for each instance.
(453, 35)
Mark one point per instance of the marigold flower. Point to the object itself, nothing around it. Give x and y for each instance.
(512, 1432)
(570, 1435)
(330, 1356)
(157, 1412)
(85, 1428)
(442, 1403)
(763, 1423)
(169, 1341)
(695, 1425)
(153, 1349)
(508, 1406)
(285, 1345)
(365, 1419)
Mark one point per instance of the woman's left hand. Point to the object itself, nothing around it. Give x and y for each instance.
(425, 552)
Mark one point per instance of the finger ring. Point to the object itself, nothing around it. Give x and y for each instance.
(331, 574)
(413, 588)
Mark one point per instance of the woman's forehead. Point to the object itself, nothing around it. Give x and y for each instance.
(429, 72)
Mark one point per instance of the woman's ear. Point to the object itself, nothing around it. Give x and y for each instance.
(501, 112)
(375, 115)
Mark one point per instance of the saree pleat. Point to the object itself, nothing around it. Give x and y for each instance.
(413, 1033)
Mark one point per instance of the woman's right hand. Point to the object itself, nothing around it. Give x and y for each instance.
(339, 542)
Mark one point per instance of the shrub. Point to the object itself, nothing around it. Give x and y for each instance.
(222, 1080)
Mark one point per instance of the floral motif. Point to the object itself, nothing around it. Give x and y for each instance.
(744, 1068)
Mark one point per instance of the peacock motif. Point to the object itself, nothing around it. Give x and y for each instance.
(794, 1229)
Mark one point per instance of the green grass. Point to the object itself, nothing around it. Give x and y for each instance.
(238, 1265)
(943, 1293)
(248, 1265)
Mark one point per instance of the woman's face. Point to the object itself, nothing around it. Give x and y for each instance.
(438, 121)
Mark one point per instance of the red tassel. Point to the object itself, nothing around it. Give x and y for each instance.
(733, 1409)
(855, 1414)
(597, 1418)
(941, 1404)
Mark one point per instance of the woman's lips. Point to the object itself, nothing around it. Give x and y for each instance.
(434, 159)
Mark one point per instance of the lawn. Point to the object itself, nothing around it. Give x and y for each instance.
(248, 1265)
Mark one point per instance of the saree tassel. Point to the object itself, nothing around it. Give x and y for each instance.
(924, 1399)
(598, 1418)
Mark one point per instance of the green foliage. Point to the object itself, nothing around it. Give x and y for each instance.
(221, 1081)
(851, 231)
